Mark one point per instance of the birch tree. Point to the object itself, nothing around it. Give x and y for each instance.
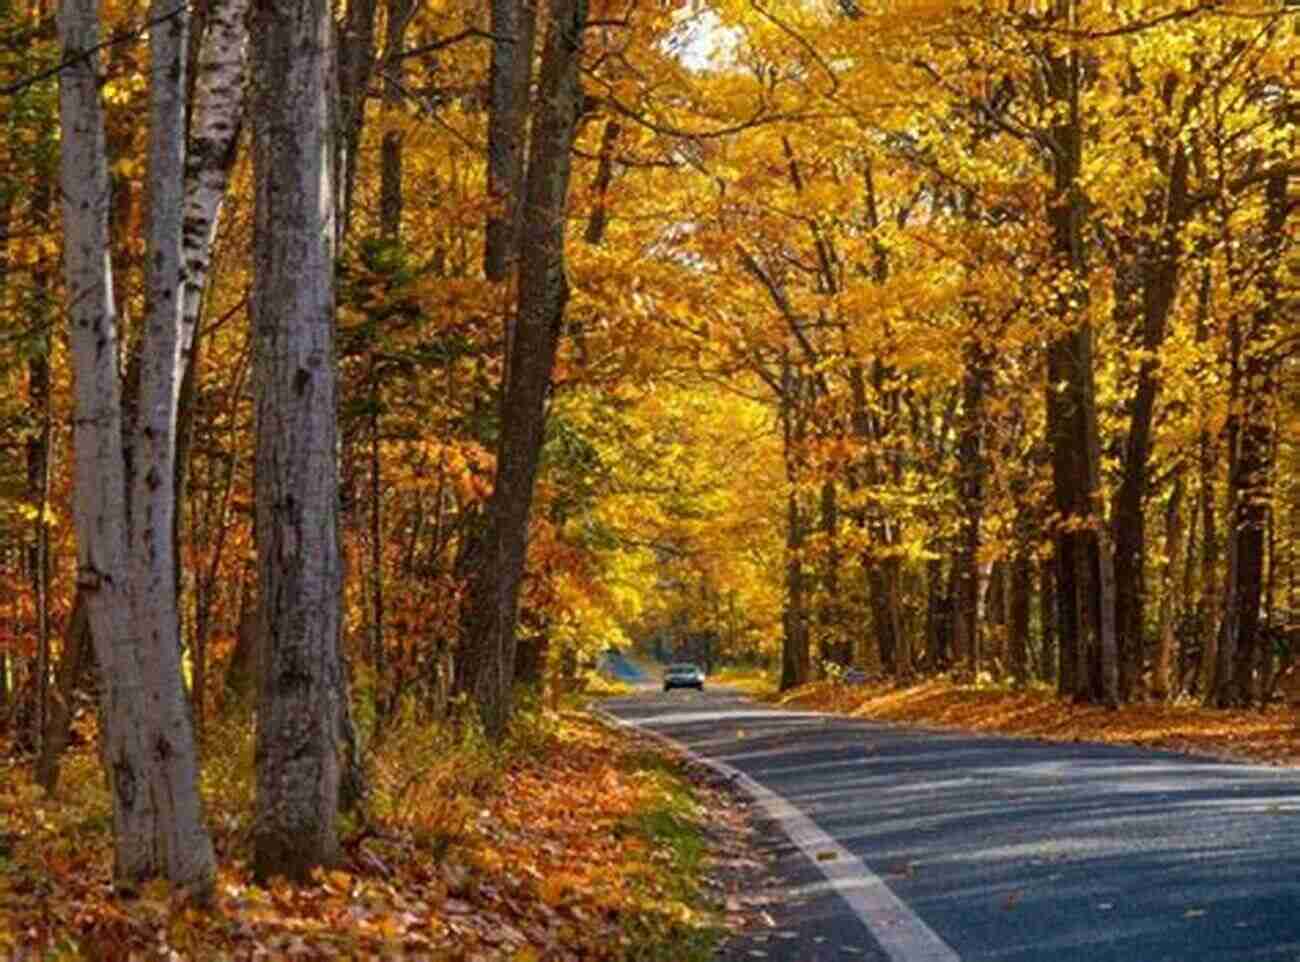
(299, 705)
(218, 116)
(125, 564)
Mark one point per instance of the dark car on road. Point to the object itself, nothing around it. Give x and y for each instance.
(683, 675)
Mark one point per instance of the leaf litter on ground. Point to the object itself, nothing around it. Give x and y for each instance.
(1270, 736)
(575, 843)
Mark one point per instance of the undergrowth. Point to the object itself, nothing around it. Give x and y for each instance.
(751, 681)
(566, 842)
(670, 826)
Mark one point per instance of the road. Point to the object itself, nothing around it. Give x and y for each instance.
(940, 846)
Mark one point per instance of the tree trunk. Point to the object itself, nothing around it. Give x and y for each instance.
(795, 652)
(38, 555)
(127, 576)
(355, 62)
(995, 617)
(1085, 561)
(543, 293)
(1207, 469)
(217, 117)
(299, 590)
(183, 839)
(240, 682)
(6, 213)
(1047, 614)
(1162, 676)
(206, 581)
(514, 25)
(1251, 468)
(390, 216)
(972, 469)
(882, 620)
(1158, 268)
(833, 649)
(1268, 610)
(904, 656)
(378, 660)
(39, 461)
(78, 659)
(390, 169)
(599, 217)
(1022, 580)
(935, 655)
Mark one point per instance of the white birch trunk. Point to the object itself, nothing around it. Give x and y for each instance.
(298, 772)
(128, 580)
(218, 115)
(103, 570)
(184, 848)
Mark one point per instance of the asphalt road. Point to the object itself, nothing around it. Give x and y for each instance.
(998, 848)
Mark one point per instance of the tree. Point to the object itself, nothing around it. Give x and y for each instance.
(124, 527)
(539, 313)
(293, 313)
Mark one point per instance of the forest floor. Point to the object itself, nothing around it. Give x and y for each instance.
(572, 842)
(1271, 736)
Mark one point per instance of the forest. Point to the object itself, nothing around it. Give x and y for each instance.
(369, 368)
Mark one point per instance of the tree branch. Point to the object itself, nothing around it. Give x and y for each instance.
(121, 37)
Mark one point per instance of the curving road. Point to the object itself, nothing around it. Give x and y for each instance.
(899, 844)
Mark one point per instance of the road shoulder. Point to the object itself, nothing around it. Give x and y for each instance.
(797, 906)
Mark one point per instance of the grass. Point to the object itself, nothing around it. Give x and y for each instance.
(685, 928)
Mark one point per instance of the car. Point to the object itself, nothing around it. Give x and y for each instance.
(683, 674)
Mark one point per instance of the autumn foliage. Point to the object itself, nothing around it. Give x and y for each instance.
(550, 848)
(918, 337)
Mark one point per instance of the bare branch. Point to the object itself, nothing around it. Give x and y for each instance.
(444, 42)
(122, 36)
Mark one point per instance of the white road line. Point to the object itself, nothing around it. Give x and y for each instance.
(899, 930)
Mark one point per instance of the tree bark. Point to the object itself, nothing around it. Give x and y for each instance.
(355, 64)
(903, 654)
(390, 169)
(514, 26)
(126, 573)
(1085, 561)
(972, 469)
(1207, 606)
(935, 649)
(301, 687)
(78, 659)
(6, 213)
(543, 294)
(1047, 614)
(182, 836)
(1022, 575)
(217, 118)
(39, 456)
(1162, 675)
(1158, 268)
(598, 219)
(834, 650)
(1251, 468)
(795, 651)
